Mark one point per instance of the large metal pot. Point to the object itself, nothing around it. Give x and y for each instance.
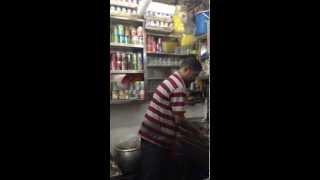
(127, 155)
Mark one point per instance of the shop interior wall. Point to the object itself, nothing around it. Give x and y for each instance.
(125, 119)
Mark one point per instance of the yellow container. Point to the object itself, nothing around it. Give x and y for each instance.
(187, 40)
(169, 47)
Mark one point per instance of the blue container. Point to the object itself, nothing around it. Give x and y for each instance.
(201, 19)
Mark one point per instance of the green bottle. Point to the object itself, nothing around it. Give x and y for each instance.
(129, 61)
(115, 34)
(134, 61)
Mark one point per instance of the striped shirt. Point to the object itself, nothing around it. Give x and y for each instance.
(159, 126)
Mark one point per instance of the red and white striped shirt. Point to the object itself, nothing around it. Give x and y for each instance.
(159, 126)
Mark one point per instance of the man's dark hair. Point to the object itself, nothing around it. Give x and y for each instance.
(192, 63)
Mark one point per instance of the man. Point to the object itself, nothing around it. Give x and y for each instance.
(164, 114)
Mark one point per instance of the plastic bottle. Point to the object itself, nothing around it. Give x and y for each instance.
(129, 61)
(121, 33)
(115, 34)
(119, 63)
(113, 62)
(154, 45)
(127, 35)
(134, 61)
(140, 61)
(159, 44)
(124, 62)
(141, 90)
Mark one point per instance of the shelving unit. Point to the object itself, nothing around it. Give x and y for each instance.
(151, 31)
(136, 48)
(126, 71)
(164, 66)
(124, 4)
(164, 35)
(163, 30)
(155, 78)
(158, 19)
(125, 101)
(156, 32)
(156, 66)
(122, 45)
(169, 54)
(124, 18)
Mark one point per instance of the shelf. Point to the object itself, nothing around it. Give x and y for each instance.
(112, 44)
(125, 101)
(156, 78)
(163, 66)
(126, 71)
(129, 18)
(158, 19)
(158, 30)
(169, 54)
(123, 4)
(164, 35)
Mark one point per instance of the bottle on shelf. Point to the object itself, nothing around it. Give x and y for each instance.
(127, 35)
(115, 93)
(159, 45)
(113, 62)
(134, 37)
(124, 62)
(119, 63)
(115, 34)
(134, 61)
(121, 33)
(140, 61)
(129, 61)
(141, 94)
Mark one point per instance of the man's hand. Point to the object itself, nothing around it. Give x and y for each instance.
(181, 120)
(178, 117)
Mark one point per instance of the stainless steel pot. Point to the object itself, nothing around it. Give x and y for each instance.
(127, 155)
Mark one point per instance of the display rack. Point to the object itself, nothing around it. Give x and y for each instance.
(121, 45)
(164, 66)
(166, 34)
(124, 4)
(114, 19)
(158, 30)
(127, 101)
(125, 18)
(126, 71)
(169, 54)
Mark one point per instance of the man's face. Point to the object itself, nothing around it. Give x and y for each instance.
(191, 75)
(194, 75)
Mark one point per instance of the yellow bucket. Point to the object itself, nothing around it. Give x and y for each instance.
(187, 40)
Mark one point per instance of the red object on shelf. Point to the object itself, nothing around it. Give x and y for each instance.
(119, 63)
(154, 45)
(159, 45)
(113, 62)
(149, 43)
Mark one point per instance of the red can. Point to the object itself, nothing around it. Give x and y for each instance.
(119, 61)
(113, 62)
(154, 45)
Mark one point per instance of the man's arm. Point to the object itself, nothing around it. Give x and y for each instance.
(178, 101)
(181, 121)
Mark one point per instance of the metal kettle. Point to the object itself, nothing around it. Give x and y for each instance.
(127, 155)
